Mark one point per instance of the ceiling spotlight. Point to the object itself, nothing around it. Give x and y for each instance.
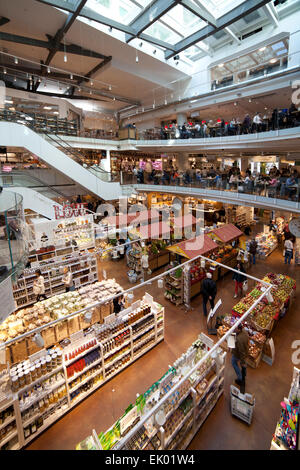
(221, 65)
(48, 69)
(109, 87)
(176, 57)
(141, 44)
(90, 92)
(110, 29)
(272, 61)
(177, 62)
(71, 76)
(4, 71)
(235, 103)
(39, 80)
(15, 79)
(262, 49)
(166, 101)
(79, 89)
(153, 106)
(136, 58)
(154, 52)
(143, 109)
(16, 60)
(114, 98)
(250, 100)
(65, 58)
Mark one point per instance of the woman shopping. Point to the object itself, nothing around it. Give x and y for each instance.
(39, 286)
(68, 279)
(239, 279)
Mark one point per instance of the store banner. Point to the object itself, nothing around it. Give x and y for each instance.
(8, 304)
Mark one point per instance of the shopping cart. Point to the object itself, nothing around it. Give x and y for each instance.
(242, 404)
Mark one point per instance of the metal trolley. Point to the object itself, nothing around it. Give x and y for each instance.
(242, 404)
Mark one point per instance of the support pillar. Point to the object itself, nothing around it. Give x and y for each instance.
(181, 118)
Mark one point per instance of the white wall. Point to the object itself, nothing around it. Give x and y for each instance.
(35, 201)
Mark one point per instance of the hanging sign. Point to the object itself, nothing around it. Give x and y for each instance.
(68, 211)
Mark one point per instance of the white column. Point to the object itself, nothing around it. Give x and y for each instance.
(181, 119)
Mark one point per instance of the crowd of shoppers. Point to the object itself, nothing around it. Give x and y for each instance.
(259, 122)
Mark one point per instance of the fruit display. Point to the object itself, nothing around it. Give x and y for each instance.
(253, 350)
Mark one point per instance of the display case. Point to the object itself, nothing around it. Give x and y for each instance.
(180, 416)
(41, 388)
(83, 266)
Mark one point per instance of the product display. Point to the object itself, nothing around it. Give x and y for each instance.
(286, 436)
(180, 416)
(82, 265)
(267, 243)
(44, 386)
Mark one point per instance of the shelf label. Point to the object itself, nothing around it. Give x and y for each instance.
(128, 419)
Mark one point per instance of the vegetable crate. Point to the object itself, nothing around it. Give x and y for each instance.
(242, 405)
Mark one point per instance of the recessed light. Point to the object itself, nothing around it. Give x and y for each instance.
(47, 107)
(55, 112)
(272, 61)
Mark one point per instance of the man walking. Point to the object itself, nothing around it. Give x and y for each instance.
(239, 354)
(209, 292)
(253, 249)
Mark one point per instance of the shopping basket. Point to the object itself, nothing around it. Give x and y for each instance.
(242, 405)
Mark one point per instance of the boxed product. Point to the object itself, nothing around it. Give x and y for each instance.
(61, 330)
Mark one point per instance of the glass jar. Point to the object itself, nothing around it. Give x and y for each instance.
(38, 369)
(49, 363)
(59, 357)
(21, 379)
(43, 366)
(33, 373)
(15, 383)
(54, 360)
(27, 375)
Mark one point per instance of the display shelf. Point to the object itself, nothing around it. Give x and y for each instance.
(8, 438)
(79, 356)
(87, 379)
(42, 395)
(171, 437)
(178, 403)
(213, 380)
(93, 364)
(38, 415)
(140, 333)
(40, 379)
(8, 421)
(117, 349)
(117, 358)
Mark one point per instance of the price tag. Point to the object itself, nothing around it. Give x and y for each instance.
(128, 419)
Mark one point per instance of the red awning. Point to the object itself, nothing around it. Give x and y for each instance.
(194, 247)
(156, 230)
(227, 233)
(118, 220)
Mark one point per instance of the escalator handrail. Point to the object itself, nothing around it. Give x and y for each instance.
(34, 178)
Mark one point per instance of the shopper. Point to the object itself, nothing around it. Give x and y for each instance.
(288, 251)
(209, 292)
(253, 249)
(240, 353)
(68, 279)
(239, 278)
(145, 264)
(118, 304)
(39, 286)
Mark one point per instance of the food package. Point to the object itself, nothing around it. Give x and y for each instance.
(61, 330)
(73, 325)
(49, 336)
(31, 346)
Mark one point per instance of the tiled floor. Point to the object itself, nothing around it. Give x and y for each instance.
(220, 431)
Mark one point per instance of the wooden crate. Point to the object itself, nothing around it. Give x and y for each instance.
(61, 330)
(31, 346)
(18, 351)
(163, 259)
(73, 325)
(49, 336)
(153, 263)
(254, 363)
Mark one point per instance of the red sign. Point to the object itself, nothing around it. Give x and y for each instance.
(69, 210)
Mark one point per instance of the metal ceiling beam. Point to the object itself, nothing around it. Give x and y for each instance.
(234, 36)
(70, 49)
(271, 13)
(224, 21)
(63, 30)
(92, 15)
(149, 15)
(201, 11)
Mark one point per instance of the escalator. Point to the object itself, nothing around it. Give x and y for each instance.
(60, 155)
(37, 196)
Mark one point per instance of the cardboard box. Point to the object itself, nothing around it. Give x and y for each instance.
(96, 317)
(61, 330)
(49, 336)
(73, 325)
(31, 346)
(18, 351)
(106, 309)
